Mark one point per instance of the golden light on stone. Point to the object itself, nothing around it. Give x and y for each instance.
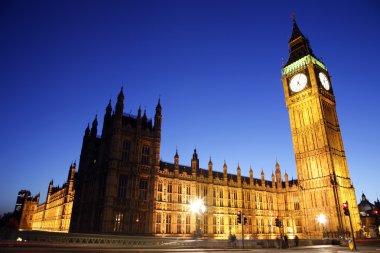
(197, 206)
(321, 218)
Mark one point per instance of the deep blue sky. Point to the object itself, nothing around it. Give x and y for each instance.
(215, 64)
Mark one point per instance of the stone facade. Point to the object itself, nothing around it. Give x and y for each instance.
(55, 213)
(323, 175)
(122, 186)
(224, 194)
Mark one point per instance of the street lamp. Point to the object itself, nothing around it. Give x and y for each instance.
(321, 218)
(198, 207)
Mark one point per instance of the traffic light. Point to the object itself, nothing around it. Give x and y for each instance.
(245, 220)
(239, 217)
(376, 212)
(345, 209)
(278, 222)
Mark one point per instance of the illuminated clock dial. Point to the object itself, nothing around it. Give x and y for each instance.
(298, 82)
(324, 80)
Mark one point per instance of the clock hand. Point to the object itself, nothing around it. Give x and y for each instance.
(298, 81)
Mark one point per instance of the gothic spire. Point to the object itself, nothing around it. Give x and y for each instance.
(176, 153)
(87, 131)
(94, 128)
(296, 32)
(120, 97)
(109, 108)
(158, 107)
(139, 112)
(299, 44)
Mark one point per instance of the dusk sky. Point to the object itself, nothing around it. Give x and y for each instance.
(215, 64)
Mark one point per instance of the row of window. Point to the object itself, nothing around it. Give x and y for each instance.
(218, 199)
(218, 225)
(123, 190)
(126, 151)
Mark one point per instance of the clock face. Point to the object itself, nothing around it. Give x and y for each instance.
(324, 80)
(298, 82)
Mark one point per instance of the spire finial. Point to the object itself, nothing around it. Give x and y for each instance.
(120, 97)
(294, 17)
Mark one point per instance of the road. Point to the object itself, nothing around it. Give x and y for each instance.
(362, 247)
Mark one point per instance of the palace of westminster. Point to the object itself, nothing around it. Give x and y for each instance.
(122, 187)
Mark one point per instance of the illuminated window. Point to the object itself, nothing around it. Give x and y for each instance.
(159, 187)
(214, 225)
(296, 202)
(179, 193)
(158, 223)
(221, 227)
(205, 191)
(168, 223)
(205, 224)
(126, 150)
(145, 155)
(159, 194)
(179, 224)
(187, 224)
(170, 191)
(188, 194)
(118, 222)
(286, 202)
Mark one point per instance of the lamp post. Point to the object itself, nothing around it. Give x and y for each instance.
(198, 207)
(322, 220)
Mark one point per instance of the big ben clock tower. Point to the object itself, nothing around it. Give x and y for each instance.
(324, 179)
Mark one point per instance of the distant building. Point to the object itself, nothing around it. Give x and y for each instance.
(21, 196)
(55, 213)
(370, 217)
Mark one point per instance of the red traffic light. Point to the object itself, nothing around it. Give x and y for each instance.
(345, 209)
(376, 212)
(239, 217)
(277, 221)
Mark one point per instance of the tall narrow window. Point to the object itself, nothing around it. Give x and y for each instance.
(143, 189)
(118, 222)
(214, 225)
(122, 186)
(170, 191)
(158, 223)
(221, 229)
(205, 192)
(159, 193)
(179, 224)
(145, 155)
(126, 150)
(286, 202)
(168, 223)
(179, 193)
(205, 224)
(187, 224)
(296, 202)
(188, 194)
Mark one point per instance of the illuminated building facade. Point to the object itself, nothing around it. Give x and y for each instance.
(122, 186)
(55, 213)
(323, 176)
